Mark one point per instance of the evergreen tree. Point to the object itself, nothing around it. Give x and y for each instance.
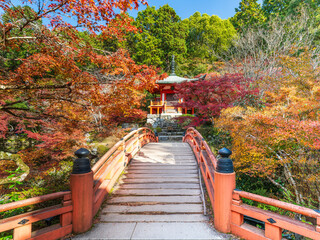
(248, 14)
(208, 34)
(162, 34)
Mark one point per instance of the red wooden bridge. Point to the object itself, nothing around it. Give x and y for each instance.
(159, 197)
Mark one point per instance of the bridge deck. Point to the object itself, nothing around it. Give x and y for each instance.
(159, 198)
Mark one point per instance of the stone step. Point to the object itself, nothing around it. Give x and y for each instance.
(156, 209)
(162, 167)
(175, 138)
(114, 217)
(163, 175)
(129, 185)
(158, 192)
(147, 164)
(165, 161)
(164, 171)
(170, 134)
(154, 199)
(161, 180)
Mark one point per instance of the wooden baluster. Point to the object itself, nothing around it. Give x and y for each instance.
(236, 218)
(123, 149)
(144, 137)
(23, 232)
(136, 147)
(66, 218)
(273, 232)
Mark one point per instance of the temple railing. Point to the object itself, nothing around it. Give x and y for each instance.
(157, 103)
(89, 188)
(229, 210)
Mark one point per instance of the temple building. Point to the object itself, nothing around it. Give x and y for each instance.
(166, 99)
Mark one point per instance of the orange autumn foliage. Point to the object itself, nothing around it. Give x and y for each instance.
(56, 85)
(281, 140)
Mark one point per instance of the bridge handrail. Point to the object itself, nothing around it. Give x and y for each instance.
(205, 158)
(22, 223)
(279, 204)
(32, 201)
(105, 173)
(110, 166)
(204, 145)
(230, 211)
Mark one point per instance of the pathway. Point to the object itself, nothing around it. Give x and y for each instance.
(159, 198)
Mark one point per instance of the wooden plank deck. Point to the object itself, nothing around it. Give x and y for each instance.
(159, 198)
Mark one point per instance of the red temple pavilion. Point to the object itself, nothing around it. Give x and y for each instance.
(166, 99)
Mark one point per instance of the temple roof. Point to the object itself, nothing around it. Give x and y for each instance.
(173, 78)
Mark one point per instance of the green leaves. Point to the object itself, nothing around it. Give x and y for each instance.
(249, 13)
(162, 34)
(208, 34)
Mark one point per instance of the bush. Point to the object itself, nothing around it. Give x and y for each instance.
(158, 129)
(102, 149)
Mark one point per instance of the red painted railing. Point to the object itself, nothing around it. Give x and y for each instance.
(229, 210)
(205, 158)
(108, 169)
(75, 207)
(22, 224)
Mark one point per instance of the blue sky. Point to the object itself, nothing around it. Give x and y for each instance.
(185, 8)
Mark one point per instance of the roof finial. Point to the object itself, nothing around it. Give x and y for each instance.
(172, 67)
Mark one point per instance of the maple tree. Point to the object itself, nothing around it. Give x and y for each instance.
(281, 141)
(57, 83)
(211, 95)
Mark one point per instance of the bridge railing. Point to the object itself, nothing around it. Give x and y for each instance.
(230, 211)
(205, 158)
(89, 188)
(22, 223)
(108, 169)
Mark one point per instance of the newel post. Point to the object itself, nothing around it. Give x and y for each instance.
(224, 184)
(81, 182)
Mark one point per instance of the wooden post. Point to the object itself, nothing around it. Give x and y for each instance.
(158, 110)
(66, 218)
(236, 218)
(23, 232)
(224, 184)
(138, 142)
(273, 232)
(82, 192)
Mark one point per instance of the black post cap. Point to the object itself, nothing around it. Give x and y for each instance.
(82, 153)
(82, 163)
(225, 164)
(225, 152)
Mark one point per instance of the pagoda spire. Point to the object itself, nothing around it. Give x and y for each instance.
(173, 67)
